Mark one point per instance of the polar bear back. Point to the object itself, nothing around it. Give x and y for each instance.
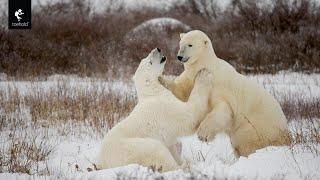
(245, 96)
(157, 118)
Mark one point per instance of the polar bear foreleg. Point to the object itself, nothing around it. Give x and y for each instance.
(218, 120)
(180, 87)
(199, 96)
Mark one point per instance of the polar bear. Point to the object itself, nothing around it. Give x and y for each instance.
(239, 107)
(146, 136)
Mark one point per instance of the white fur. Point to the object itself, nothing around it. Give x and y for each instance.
(239, 106)
(146, 135)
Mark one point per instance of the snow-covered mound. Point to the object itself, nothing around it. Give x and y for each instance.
(136, 5)
(159, 25)
(158, 32)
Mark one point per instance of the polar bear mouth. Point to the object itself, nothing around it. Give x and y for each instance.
(182, 58)
(185, 59)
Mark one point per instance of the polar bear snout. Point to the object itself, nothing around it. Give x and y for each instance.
(182, 59)
(156, 52)
(163, 58)
(157, 56)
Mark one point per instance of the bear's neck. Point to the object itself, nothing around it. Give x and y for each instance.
(207, 59)
(150, 89)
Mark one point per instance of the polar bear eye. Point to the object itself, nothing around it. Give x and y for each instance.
(190, 45)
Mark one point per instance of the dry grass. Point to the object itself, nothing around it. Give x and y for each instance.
(99, 107)
(25, 153)
(301, 109)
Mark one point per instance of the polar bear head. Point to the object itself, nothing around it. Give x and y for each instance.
(193, 45)
(148, 72)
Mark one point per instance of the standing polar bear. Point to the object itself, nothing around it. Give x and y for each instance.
(240, 107)
(146, 136)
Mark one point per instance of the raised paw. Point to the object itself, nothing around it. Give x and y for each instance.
(163, 82)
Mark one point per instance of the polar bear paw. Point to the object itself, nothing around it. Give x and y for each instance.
(163, 81)
(206, 130)
(204, 133)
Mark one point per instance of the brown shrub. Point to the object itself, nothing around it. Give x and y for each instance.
(260, 39)
(68, 37)
(24, 153)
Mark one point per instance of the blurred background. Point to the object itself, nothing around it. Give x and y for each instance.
(108, 38)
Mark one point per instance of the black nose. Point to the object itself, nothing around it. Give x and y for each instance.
(179, 57)
(159, 50)
(163, 59)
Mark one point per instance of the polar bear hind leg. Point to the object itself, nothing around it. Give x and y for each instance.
(246, 140)
(216, 121)
(150, 153)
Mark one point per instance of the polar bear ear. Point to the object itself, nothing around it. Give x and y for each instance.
(181, 35)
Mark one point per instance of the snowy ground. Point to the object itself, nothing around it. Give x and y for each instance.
(74, 153)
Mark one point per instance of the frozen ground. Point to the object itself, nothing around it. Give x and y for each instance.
(74, 153)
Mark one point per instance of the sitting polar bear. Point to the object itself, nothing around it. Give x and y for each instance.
(240, 107)
(146, 135)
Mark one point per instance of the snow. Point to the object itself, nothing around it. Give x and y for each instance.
(75, 152)
(267, 163)
(290, 84)
(28, 88)
(303, 86)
